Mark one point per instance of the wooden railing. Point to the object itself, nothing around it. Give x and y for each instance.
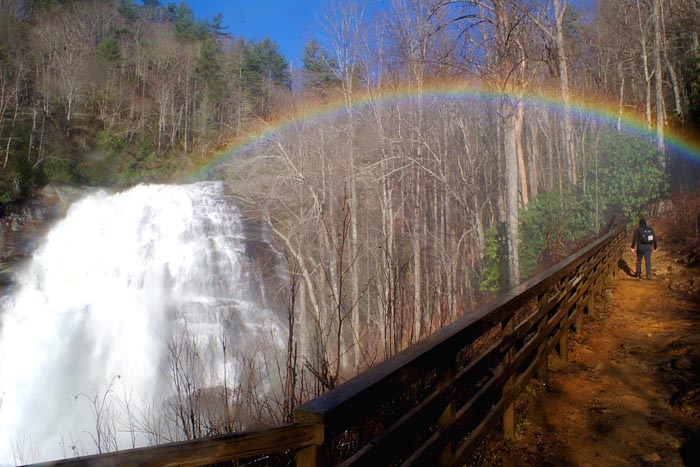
(431, 404)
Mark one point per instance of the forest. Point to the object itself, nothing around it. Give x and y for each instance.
(458, 148)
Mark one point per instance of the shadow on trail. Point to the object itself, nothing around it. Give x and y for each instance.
(622, 264)
(690, 450)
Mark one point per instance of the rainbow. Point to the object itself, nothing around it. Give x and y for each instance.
(678, 144)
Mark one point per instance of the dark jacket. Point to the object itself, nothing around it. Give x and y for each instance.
(637, 239)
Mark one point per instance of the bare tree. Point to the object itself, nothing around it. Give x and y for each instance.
(658, 79)
(553, 27)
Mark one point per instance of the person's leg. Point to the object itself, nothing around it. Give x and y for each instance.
(638, 271)
(647, 261)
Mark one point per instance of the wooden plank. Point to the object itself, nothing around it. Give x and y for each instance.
(388, 444)
(430, 448)
(203, 451)
(470, 444)
(508, 420)
(445, 419)
(486, 399)
(426, 412)
(426, 452)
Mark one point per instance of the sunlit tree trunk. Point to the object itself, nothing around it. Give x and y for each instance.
(519, 124)
(535, 171)
(621, 100)
(645, 65)
(511, 131)
(417, 259)
(512, 204)
(569, 147)
(658, 79)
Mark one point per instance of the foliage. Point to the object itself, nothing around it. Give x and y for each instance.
(110, 50)
(264, 63)
(550, 225)
(216, 26)
(494, 276)
(109, 140)
(319, 69)
(209, 65)
(19, 177)
(54, 4)
(425, 176)
(128, 10)
(261, 68)
(186, 27)
(628, 178)
(59, 170)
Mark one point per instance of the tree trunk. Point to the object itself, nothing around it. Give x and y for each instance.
(417, 265)
(621, 101)
(645, 66)
(658, 78)
(569, 147)
(519, 122)
(504, 38)
(510, 135)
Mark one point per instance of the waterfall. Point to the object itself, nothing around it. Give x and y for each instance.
(135, 306)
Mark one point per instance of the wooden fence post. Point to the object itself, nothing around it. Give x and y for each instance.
(542, 371)
(509, 386)
(315, 455)
(564, 340)
(448, 414)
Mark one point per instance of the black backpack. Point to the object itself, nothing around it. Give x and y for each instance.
(646, 235)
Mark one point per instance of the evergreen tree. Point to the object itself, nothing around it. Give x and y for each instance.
(109, 50)
(209, 64)
(186, 26)
(319, 69)
(266, 58)
(263, 68)
(216, 27)
(128, 9)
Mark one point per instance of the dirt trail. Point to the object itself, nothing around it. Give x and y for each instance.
(630, 392)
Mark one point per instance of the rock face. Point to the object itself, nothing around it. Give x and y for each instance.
(22, 227)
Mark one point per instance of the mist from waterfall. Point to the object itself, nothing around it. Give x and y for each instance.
(131, 297)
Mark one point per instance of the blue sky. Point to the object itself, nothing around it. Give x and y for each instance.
(289, 23)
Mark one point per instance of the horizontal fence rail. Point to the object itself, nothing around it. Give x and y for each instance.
(205, 451)
(434, 402)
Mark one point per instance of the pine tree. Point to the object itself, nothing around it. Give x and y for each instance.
(319, 69)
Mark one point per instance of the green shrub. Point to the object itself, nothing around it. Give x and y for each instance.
(628, 178)
(494, 277)
(59, 170)
(550, 225)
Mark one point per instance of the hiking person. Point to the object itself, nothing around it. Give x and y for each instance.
(644, 240)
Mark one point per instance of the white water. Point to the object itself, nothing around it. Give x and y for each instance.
(88, 327)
